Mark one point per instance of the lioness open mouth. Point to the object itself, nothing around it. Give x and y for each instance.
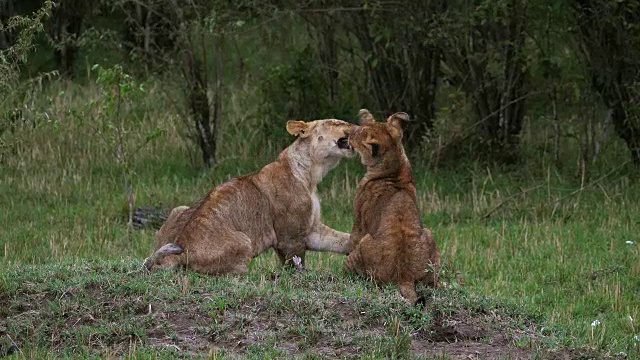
(343, 143)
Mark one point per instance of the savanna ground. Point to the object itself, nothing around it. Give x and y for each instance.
(533, 255)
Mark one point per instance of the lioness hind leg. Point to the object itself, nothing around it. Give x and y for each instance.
(175, 213)
(166, 257)
(173, 225)
(167, 263)
(230, 253)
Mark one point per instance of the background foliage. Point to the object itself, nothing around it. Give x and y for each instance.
(517, 64)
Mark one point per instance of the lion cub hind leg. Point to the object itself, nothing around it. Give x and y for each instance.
(433, 262)
(408, 291)
(355, 262)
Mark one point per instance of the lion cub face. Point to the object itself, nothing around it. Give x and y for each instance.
(325, 138)
(379, 144)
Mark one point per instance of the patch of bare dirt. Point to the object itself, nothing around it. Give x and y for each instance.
(236, 330)
(464, 336)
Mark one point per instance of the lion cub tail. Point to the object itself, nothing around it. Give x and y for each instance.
(433, 260)
(158, 255)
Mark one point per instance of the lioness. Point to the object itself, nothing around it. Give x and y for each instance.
(276, 207)
(389, 243)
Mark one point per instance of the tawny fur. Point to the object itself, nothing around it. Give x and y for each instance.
(276, 207)
(390, 244)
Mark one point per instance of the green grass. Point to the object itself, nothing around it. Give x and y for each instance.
(542, 249)
(572, 265)
(107, 308)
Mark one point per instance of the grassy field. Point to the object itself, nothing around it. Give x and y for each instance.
(535, 256)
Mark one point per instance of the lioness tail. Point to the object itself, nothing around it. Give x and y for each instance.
(168, 249)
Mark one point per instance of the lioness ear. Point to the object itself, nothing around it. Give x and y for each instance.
(300, 128)
(365, 116)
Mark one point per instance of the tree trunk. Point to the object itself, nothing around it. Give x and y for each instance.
(403, 69)
(204, 113)
(608, 42)
(7, 10)
(151, 29)
(65, 31)
(627, 131)
(328, 51)
(498, 97)
(68, 31)
(200, 111)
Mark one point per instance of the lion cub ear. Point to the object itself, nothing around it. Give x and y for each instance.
(397, 119)
(300, 128)
(365, 116)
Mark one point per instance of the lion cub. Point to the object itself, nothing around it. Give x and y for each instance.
(389, 243)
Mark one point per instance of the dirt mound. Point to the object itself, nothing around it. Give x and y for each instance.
(117, 310)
